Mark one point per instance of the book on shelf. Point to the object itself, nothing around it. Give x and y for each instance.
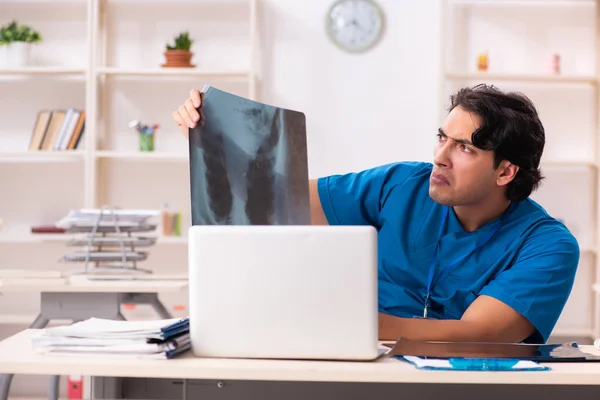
(57, 130)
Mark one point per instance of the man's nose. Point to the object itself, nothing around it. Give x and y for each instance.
(441, 157)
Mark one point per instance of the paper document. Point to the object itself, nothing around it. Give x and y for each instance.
(165, 338)
(107, 328)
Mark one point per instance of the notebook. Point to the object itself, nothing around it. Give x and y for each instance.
(564, 352)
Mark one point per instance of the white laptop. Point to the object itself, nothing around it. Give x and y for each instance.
(291, 292)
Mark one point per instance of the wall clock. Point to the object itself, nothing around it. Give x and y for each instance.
(354, 25)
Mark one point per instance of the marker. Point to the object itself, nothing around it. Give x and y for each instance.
(483, 364)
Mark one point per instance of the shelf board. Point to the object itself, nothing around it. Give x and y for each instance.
(588, 250)
(172, 240)
(154, 72)
(537, 78)
(22, 319)
(524, 3)
(558, 331)
(142, 156)
(41, 70)
(41, 156)
(21, 233)
(37, 2)
(568, 164)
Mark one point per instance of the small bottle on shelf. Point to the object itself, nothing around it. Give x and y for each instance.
(553, 65)
(167, 221)
(482, 62)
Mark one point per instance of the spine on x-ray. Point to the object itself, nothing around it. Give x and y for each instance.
(260, 178)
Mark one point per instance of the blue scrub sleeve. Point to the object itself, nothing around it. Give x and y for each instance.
(356, 198)
(540, 281)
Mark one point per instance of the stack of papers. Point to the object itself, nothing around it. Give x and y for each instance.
(106, 217)
(159, 339)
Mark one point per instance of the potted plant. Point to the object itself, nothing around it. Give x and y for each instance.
(15, 43)
(178, 54)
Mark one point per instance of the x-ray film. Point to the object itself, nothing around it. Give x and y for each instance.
(248, 163)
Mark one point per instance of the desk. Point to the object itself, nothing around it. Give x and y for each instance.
(79, 299)
(18, 356)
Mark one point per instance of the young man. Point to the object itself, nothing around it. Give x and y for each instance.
(461, 246)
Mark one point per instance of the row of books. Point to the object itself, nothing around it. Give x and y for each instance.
(57, 130)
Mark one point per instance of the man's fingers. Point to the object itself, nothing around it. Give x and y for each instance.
(183, 113)
(191, 110)
(195, 98)
(183, 127)
(177, 118)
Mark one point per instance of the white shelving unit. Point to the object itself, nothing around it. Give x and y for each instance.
(104, 57)
(120, 78)
(568, 104)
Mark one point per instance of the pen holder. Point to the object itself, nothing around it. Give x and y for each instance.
(171, 223)
(146, 141)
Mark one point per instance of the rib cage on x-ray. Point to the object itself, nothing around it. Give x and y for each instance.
(248, 163)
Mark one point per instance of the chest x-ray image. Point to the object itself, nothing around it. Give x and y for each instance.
(248, 163)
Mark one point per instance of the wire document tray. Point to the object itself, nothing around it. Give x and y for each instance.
(109, 244)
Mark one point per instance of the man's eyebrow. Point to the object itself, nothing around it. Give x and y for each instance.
(463, 141)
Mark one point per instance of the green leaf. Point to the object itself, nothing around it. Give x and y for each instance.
(13, 32)
(182, 42)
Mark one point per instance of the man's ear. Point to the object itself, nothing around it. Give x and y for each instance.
(506, 172)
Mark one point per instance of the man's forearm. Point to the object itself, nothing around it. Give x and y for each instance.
(392, 328)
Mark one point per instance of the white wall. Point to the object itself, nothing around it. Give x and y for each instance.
(361, 110)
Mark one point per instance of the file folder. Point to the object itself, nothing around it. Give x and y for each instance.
(565, 352)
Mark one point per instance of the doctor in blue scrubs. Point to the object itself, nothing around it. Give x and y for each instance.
(464, 253)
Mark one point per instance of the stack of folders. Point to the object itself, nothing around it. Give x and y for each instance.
(158, 339)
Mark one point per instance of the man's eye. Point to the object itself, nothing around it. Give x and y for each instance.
(466, 149)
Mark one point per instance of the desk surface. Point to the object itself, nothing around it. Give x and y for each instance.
(78, 284)
(17, 356)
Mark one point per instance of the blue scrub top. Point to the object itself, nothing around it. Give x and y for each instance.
(529, 263)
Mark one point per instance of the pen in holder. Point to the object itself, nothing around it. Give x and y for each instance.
(171, 223)
(146, 134)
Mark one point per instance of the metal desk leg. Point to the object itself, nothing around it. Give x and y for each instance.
(5, 380)
(147, 298)
(53, 387)
(161, 309)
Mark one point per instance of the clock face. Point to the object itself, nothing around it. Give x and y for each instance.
(354, 25)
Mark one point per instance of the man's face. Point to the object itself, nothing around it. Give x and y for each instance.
(462, 173)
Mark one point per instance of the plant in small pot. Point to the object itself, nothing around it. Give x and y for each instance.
(15, 44)
(178, 54)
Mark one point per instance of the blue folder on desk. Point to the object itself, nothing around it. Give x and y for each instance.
(174, 345)
(175, 329)
(175, 338)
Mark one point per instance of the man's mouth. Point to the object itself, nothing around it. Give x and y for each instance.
(439, 179)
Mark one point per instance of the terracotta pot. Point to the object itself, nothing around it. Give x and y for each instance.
(178, 58)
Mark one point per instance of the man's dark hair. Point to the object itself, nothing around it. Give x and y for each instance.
(511, 129)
